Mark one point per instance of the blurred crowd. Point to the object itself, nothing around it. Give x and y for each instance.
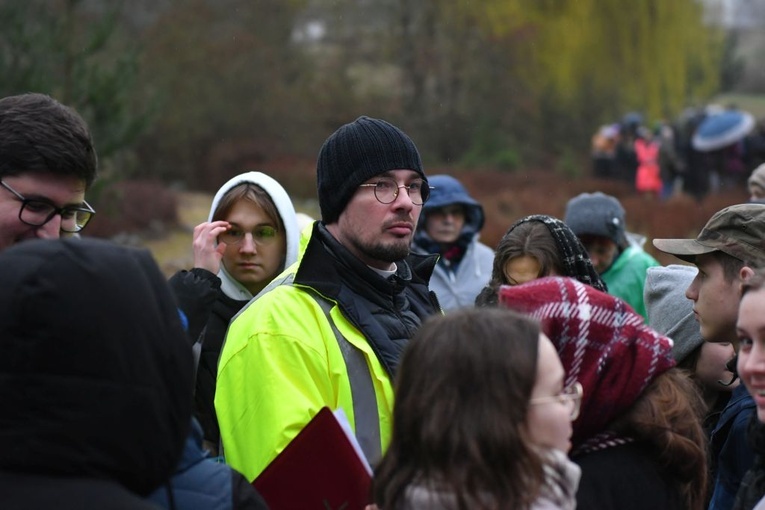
(704, 150)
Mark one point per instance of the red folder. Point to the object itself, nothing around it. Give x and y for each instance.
(319, 469)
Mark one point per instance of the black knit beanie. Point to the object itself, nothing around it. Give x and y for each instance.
(355, 153)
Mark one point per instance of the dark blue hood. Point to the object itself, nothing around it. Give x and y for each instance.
(448, 190)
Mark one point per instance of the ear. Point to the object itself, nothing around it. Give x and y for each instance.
(745, 273)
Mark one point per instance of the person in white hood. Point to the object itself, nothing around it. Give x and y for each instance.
(250, 236)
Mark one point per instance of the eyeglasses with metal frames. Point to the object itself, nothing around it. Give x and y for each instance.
(36, 212)
(571, 394)
(262, 235)
(386, 190)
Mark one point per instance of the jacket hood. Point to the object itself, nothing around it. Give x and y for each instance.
(448, 190)
(669, 311)
(96, 372)
(231, 287)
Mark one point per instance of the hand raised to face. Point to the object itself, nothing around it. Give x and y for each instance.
(207, 252)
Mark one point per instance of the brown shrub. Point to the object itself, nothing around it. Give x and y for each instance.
(146, 207)
(507, 197)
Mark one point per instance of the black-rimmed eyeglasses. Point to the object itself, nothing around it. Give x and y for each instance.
(571, 394)
(386, 190)
(36, 212)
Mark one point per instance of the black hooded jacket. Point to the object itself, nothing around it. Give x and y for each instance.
(95, 376)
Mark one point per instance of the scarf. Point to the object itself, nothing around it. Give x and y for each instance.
(602, 343)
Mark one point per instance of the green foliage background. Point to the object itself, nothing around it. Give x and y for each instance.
(193, 91)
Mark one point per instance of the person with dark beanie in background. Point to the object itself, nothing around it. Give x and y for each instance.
(329, 331)
(599, 222)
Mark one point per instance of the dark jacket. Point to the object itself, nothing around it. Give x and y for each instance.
(751, 492)
(387, 311)
(624, 477)
(96, 376)
(729, 448)
(201, 483)
(209, 311)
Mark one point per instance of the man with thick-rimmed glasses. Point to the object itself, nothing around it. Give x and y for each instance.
(47, 162)
(330, 329)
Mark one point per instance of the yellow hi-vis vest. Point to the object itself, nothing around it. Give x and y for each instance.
(289, 353)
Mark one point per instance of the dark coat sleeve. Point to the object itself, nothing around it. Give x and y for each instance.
(244, 495)
(196, 292)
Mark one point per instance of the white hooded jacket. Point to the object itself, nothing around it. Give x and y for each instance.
(231, 287)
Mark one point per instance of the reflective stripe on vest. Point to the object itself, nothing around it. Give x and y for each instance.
(362, 390)
(365, 411)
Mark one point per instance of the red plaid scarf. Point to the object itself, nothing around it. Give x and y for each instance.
(601, 341)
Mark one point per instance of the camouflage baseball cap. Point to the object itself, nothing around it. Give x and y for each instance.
(738, 230)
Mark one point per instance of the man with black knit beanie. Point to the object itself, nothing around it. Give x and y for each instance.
(329, 331)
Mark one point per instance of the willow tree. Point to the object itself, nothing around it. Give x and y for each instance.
(653, 56)
(541, 74)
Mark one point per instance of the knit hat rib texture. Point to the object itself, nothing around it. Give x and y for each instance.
(355, 153)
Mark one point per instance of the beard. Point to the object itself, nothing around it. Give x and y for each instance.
(390, 253)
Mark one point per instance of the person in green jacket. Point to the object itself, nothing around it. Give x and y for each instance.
(599, 222)
(329, 331)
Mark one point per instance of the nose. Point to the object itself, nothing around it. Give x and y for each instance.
(248, 244)
(51, 230)
(403, 200)
(754, 363)
(692, 291)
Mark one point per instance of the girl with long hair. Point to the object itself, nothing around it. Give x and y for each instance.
(751, 368)
(482, 419)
